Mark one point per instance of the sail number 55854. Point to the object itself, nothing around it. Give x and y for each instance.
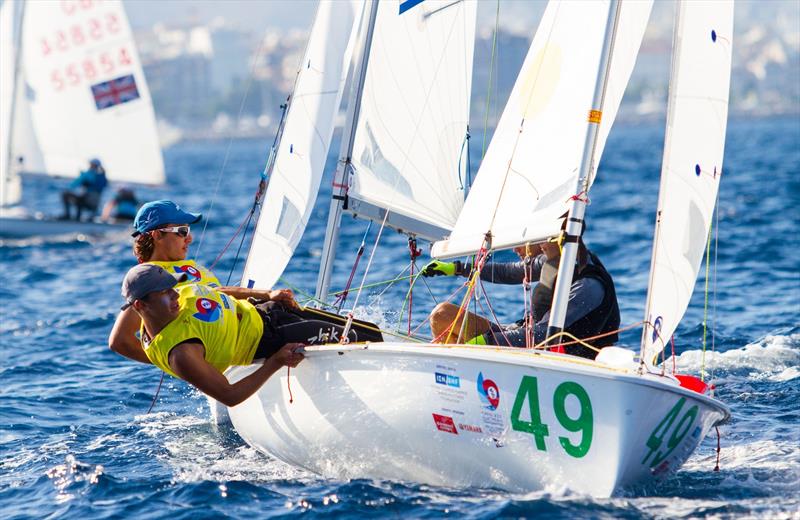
(584, 422)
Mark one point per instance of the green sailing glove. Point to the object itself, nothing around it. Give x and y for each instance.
(477, 340)
(438, 268)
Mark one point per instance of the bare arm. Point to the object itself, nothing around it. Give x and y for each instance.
(188, 361)
(284, 296)
(123, 340)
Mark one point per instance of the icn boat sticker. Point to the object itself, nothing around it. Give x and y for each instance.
(488, 392)
(190, 271)
(207, 310)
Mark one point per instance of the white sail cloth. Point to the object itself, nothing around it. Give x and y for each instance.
(531, 167)
(303, 148)
(81, 93)
(692, 164)
(414, 114)
(10, 185)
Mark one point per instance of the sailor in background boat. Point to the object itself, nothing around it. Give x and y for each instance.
(123, 206)
(198, 333)
(162, 237)
(592, 309)
(84, 192)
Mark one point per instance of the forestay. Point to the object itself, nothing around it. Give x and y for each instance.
(86, 93)
(410, 133)
(692, 164)
(531, 166)
(303, 147)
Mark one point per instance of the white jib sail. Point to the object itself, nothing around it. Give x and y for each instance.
(414, 115)
(86, 91)
(10, 186)
(692, 164)
(303, 148)
(531, 167)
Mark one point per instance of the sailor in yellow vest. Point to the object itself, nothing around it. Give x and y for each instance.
(162, 237)
(197, 332)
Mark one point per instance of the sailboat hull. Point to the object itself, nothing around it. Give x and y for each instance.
(460, 416)
(28, 226)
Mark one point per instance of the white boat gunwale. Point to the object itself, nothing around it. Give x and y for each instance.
(513, 355)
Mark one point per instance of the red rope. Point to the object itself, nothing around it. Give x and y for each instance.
(289, 383)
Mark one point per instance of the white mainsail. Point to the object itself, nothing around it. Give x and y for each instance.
(414, 117)
(692, 164)
(10, 185)
(530, 169)
(83, 89)
(303, 148)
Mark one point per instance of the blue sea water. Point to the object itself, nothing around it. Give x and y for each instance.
(76, 441)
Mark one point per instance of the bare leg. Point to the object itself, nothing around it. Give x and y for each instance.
(442, 319)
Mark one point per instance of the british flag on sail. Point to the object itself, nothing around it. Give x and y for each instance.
(115, 92)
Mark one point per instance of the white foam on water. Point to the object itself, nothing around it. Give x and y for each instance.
(71, 472)
(773, 357)
(197, 452)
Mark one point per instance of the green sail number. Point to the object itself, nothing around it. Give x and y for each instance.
(657, 437)
(584, 423)
(529, 388)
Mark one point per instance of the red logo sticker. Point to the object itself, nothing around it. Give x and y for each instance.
(445, 423)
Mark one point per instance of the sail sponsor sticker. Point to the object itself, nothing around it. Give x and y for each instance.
(492, 421)
(595, 116)
(445, 423)
(446, 385)
(488, 392)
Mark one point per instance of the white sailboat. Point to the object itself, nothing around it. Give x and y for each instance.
(72, 89)
(515, 419)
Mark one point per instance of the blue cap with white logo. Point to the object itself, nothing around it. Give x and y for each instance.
(158, 213)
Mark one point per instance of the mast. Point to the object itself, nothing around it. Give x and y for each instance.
(4, 179)
(341, 177)
(577, 208)
(648, 326)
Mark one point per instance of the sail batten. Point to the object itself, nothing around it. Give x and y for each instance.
(692, 164)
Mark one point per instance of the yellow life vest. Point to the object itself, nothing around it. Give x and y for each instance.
(230, 329)
(195, 273)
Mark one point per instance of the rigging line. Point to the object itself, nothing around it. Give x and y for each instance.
(714, 293)
(491, 76)
(342, 296)
(239, 249)
(155, 396)
(705, 304)
(349, 323)
(518, 137)
(228, 148)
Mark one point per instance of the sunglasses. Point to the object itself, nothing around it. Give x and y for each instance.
(180, 230)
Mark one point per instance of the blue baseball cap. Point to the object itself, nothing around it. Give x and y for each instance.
(158, 213)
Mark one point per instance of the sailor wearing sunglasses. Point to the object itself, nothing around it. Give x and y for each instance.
(162, 232)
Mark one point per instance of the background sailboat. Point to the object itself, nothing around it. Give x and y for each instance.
(73, 88)
(517, 419)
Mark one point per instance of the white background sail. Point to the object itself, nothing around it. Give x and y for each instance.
(10, 187)
(415, 111)
(692, 165)
(69, 47)
(304, 144)
(531, 167)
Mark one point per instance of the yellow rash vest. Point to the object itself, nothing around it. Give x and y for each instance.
(194, 273)
(230, 329)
